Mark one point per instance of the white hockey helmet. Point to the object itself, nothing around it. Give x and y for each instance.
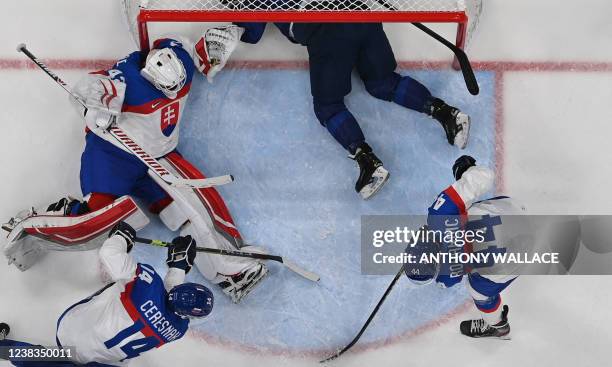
(165, 71)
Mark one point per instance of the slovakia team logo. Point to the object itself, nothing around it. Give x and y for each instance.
(169, 118)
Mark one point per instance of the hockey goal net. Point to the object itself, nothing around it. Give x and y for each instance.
(465, 13)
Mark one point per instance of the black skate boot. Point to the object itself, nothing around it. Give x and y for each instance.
(4, 330)
(456, 124)
(481, 329)
(372, 174)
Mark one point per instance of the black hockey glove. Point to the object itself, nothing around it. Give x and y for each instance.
(462, 164)
(182, 253)
(126, 231)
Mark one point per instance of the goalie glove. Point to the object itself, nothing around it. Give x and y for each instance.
(215, 48)
(103, 98)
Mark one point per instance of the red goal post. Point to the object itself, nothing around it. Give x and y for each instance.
(140, 13)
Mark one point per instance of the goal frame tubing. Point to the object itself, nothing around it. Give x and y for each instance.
(147, 16)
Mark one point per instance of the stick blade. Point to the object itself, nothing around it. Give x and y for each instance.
(202, 183)
(468, 73)
(332, 357)
(302, 272)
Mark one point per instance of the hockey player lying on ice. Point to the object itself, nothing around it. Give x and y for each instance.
(334, 50)
(146, 94)
(135, 313)
(450, 211)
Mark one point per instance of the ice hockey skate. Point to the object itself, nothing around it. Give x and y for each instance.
(456, 124)
(479, 328)
(239, 285)
(372, 174)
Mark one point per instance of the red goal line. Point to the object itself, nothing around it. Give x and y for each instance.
(500, 66)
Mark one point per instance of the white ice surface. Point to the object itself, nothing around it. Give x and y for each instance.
(556, 160)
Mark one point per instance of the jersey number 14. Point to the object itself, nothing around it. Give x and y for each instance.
(135, 347)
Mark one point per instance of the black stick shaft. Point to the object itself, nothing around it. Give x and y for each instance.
(214, 250)
(464, 62)
(372, 315)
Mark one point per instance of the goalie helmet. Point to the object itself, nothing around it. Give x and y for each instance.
(191, 300)
(165, 71)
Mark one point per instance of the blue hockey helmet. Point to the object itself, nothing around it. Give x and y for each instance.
(191, 300)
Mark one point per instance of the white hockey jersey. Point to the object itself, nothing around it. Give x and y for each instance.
(457, 207)
(148, 116)
(125, 318)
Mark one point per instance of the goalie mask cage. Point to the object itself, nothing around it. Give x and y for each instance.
(140, 13)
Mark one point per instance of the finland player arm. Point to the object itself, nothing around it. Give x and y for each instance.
(115, 260)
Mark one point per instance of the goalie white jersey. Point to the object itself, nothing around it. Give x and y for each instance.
(147, 115)
(127, 317)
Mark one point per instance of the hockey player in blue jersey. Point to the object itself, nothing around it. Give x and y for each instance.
(145, 95)
(485, 282)
(135, 313)
(334, 50)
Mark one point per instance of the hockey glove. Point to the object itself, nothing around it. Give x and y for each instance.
(104, 102)
(182, 253)
(215, 48)
(461, 165)
(126, 232)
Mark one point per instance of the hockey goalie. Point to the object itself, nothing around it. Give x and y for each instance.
(145, 95)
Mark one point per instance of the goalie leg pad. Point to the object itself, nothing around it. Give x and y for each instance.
(69, 233)
(207, 201)
(210, 222)
(212, 266)
(173, 217)
(29, 251)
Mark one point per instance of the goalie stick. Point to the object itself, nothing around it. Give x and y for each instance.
(464, 62)
(152, 163)
(253, 255)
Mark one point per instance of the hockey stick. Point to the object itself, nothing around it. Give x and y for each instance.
(262, 256)
(464, 62)
(363, 329)
(152, 163)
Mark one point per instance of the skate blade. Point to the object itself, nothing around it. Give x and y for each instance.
(461, 139)
(504, 337)
(380, 176)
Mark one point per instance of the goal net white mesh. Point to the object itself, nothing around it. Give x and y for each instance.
(472, 8)
(319, 5)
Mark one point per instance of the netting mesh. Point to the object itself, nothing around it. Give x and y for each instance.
(354, 5)
(472, 8)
